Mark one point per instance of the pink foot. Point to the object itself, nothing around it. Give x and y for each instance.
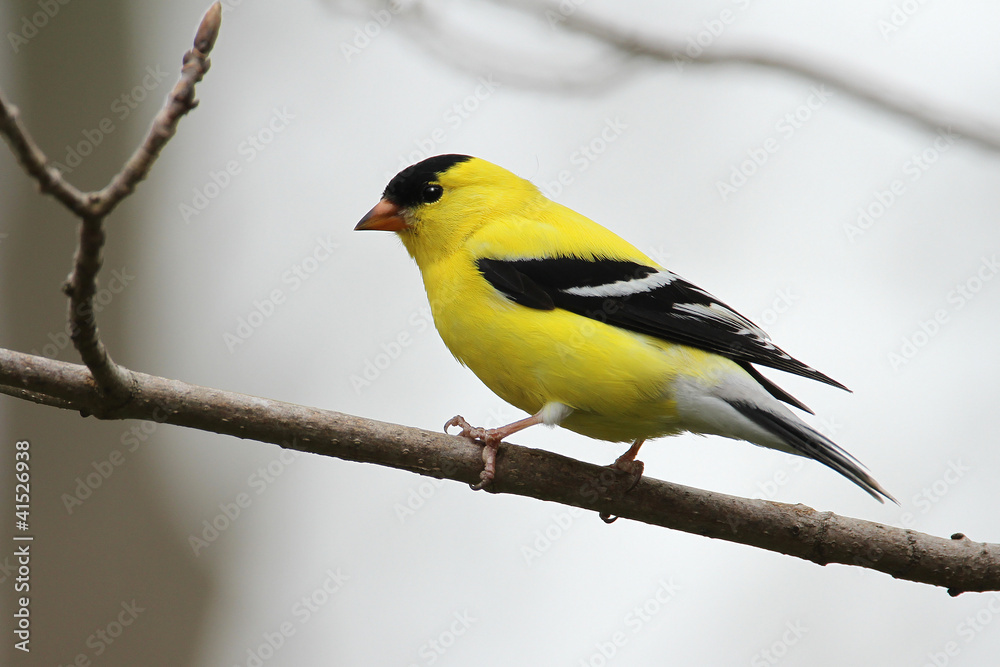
(491, 442)
(627, 464)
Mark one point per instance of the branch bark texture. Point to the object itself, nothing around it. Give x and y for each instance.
(958, 564)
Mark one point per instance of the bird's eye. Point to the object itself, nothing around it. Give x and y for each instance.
(431, 193)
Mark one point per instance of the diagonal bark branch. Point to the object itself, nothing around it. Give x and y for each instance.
(958, 564)
(34, 162)
(104, 389)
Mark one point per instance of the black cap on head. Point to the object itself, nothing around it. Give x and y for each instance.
(406, 188)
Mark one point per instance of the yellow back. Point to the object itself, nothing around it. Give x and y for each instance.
(488, 211)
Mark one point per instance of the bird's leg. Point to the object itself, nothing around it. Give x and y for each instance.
(627, 463)
(490, 438)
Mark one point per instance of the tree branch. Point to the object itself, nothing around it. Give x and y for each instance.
(180, 101)
(92, 207)
(34, 162)
(80, 287)
(959, 564)
(104, 389)
(100, 203)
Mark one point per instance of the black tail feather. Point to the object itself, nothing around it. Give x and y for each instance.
(814, 445)
(774, 389)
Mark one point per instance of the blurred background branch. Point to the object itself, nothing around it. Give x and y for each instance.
(629, 45)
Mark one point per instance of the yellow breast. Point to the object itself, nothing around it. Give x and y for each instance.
(617, 382)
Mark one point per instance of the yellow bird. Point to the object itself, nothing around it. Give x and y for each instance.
(572, 324)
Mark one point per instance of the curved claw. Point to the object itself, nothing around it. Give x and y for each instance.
(490, 441)
(468, 430)
(459, 421)
(632, 468)
(484, 480)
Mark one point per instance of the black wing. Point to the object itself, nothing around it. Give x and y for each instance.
(647, 300)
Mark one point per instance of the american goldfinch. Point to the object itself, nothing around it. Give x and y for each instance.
(572, 324)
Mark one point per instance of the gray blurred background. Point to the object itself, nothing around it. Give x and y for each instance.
(866, 245)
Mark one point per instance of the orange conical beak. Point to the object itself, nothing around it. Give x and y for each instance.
(384, 216)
